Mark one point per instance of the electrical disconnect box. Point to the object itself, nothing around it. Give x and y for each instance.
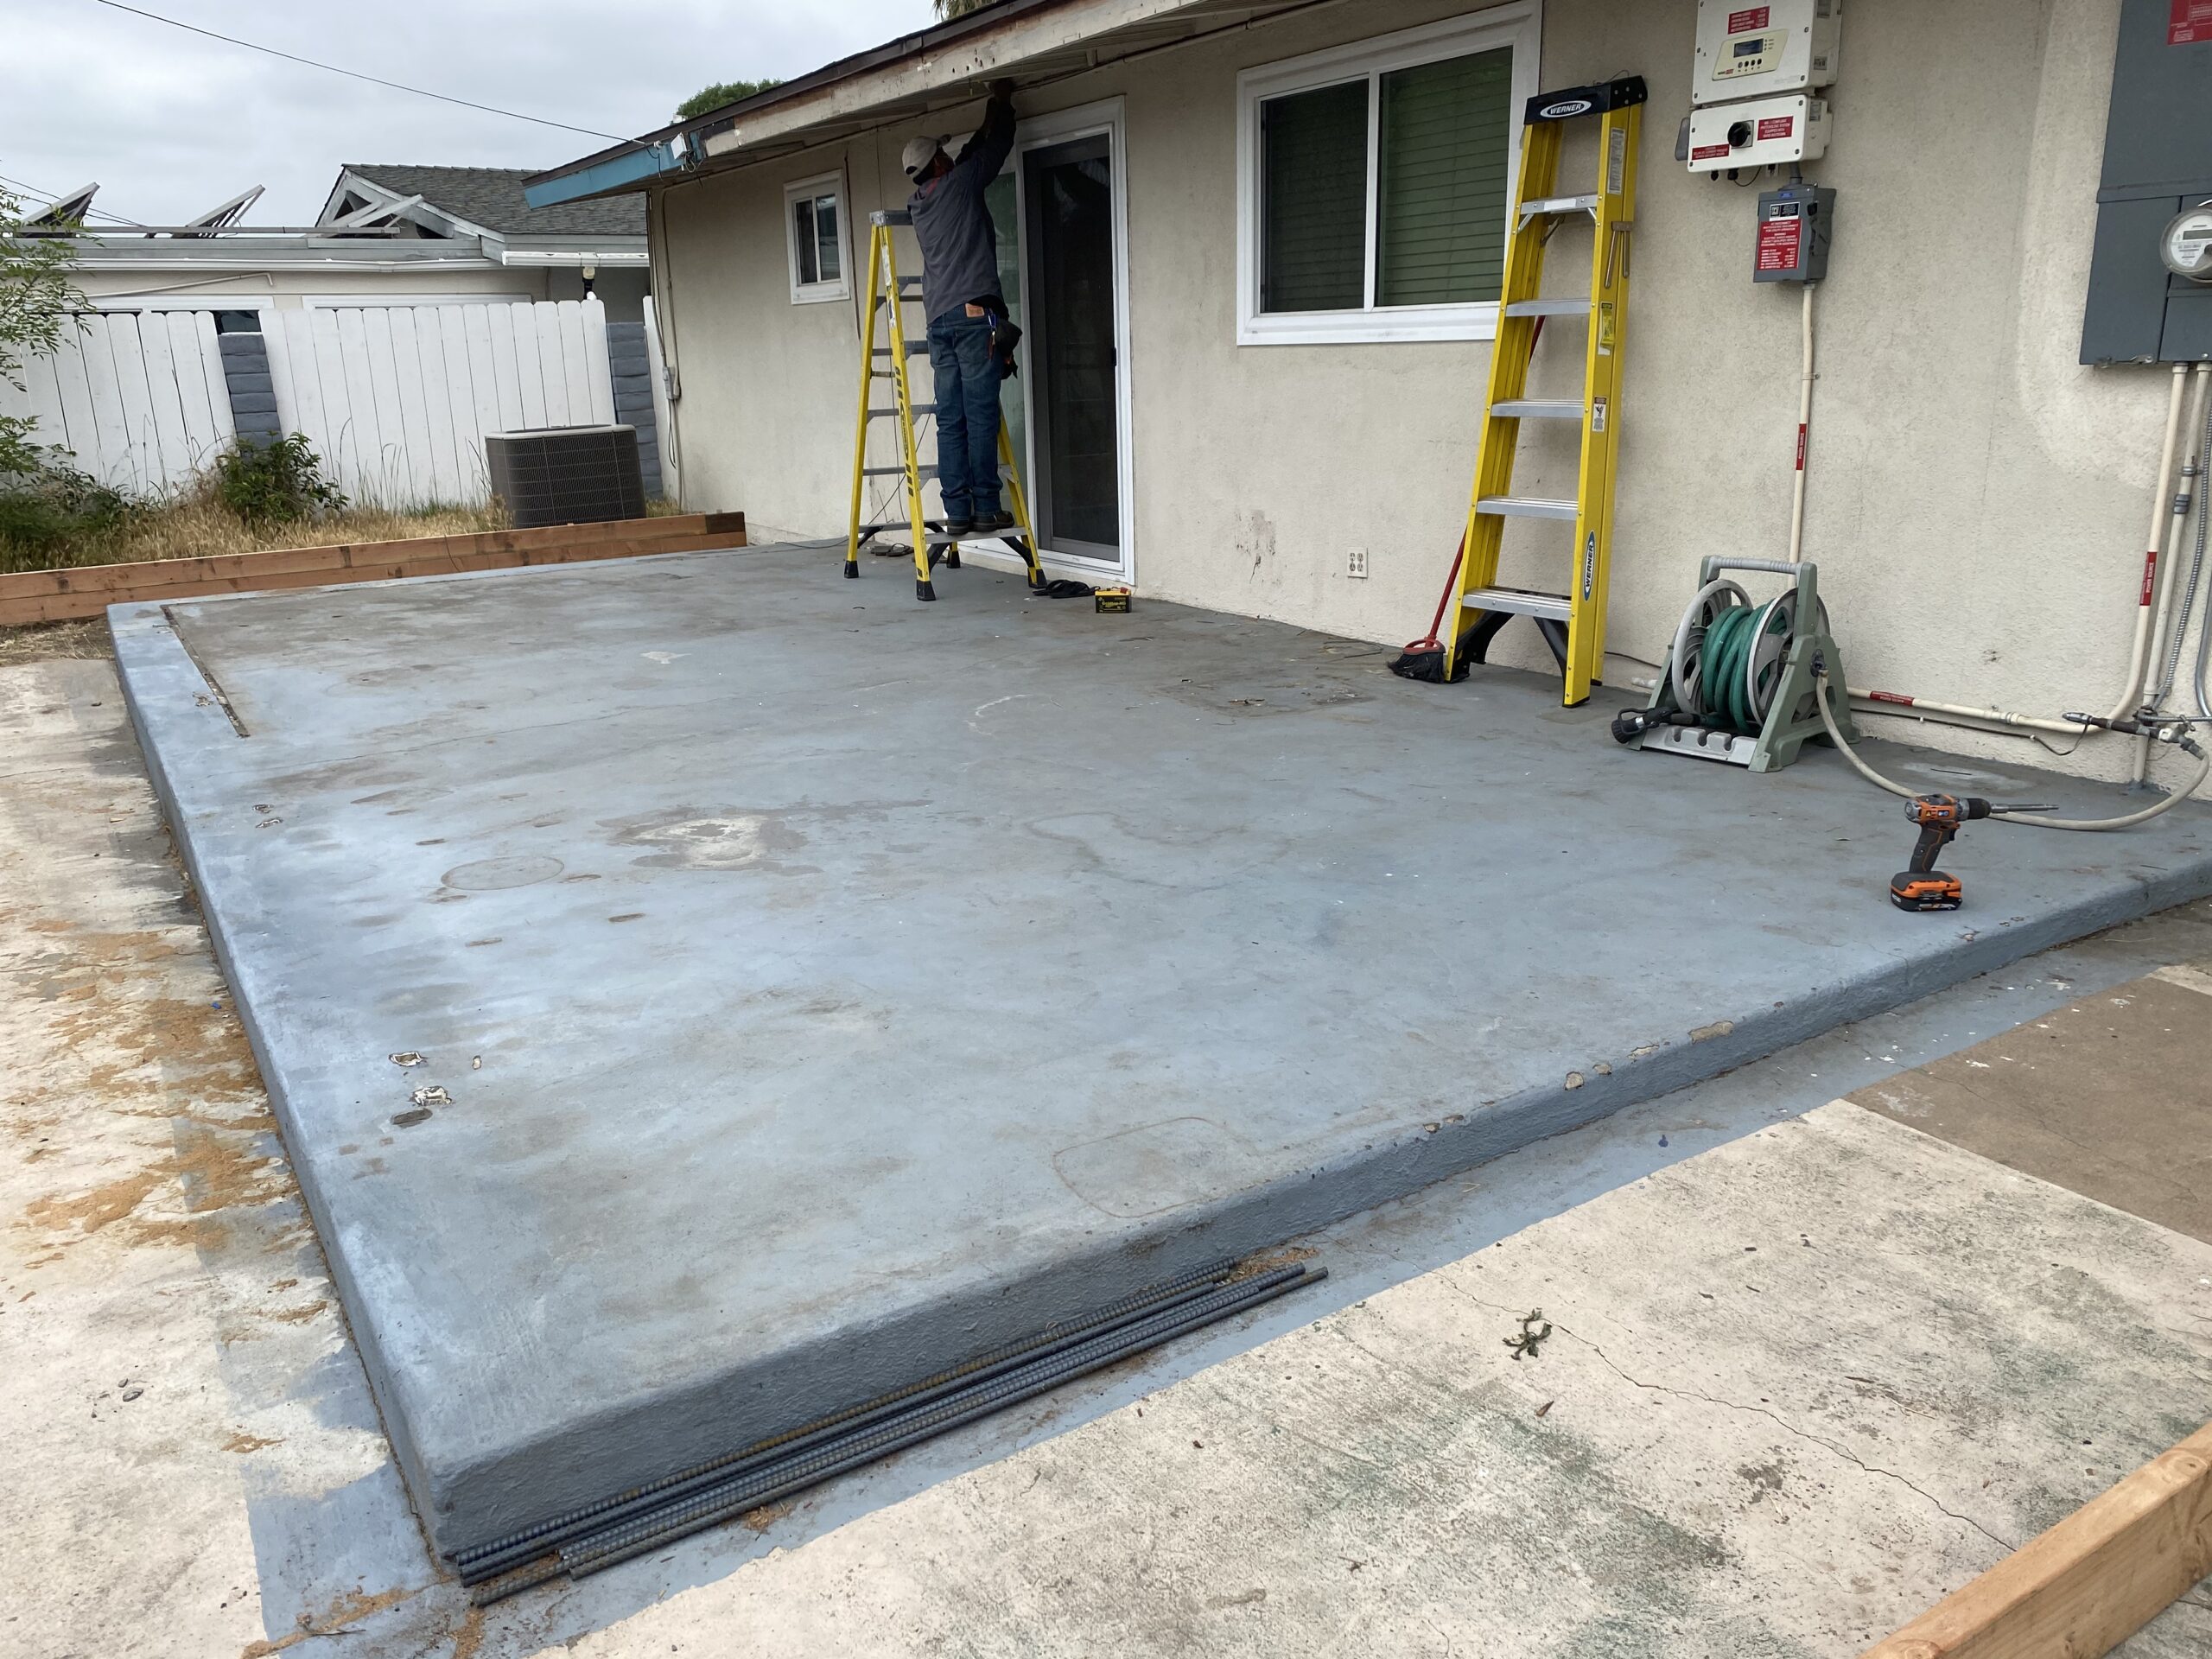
(1795, 226)
(1757, 51)
(1762, 132)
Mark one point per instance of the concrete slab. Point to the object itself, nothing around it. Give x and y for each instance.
(2106, 1096)
(1798, 1389)
(247, 1500)
(857, 984)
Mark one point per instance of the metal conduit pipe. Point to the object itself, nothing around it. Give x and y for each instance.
(2174, 614)
(2164, 539)
(2203, 628)
(2154, 561)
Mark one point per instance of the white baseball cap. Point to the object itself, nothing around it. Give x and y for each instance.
(919, 154)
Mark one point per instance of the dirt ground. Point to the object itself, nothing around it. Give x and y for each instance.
(44, 640)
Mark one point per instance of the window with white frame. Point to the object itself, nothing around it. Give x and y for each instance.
(814, 225)
(1376, 182)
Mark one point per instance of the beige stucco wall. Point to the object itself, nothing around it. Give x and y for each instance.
(1978, 500)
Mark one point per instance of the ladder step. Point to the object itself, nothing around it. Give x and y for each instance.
(1519, 602)
(1559, 204)
(914, 348)
(939, 538)
(894, 472)
(1549, 308)
(919, 409)
(1538, 409)
(1526, 507)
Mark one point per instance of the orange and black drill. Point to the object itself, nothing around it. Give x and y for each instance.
(1924, 886)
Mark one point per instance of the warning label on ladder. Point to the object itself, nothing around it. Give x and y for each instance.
(2192, 21)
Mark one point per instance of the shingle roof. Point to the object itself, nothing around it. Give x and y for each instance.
(492, 197)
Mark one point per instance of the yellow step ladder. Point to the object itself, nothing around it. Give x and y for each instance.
(888, 293)
(1574, 622)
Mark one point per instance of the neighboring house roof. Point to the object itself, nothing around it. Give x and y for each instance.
(915, 76)
(490, 199)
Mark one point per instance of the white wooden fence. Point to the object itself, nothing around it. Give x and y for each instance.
(141, 399)
(395, 400)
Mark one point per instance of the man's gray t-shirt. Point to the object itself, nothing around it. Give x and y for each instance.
(960, 245)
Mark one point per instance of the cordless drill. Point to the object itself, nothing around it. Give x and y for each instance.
(1924, 886)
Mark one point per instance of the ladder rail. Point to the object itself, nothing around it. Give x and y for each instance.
(1610, 252)
(909, 447)
(867, 391)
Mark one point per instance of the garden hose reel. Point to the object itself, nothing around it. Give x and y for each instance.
(1739, 684)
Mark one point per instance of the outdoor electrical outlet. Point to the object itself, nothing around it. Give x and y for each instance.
(1358, 563)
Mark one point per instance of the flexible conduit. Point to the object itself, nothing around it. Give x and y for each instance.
(1827, 719)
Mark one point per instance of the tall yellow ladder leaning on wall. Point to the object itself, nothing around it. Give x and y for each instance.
(1573, 623)
(888, 293)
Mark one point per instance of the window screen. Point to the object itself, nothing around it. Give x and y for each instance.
(814, 237)
(1440, 222)
(1314, 213)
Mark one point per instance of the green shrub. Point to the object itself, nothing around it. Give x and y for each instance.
(49, 503)
(276, 483)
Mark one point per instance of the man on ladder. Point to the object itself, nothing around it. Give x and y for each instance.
(960, 293)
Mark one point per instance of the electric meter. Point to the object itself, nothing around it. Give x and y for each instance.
(1758, 51)
(2187, 244)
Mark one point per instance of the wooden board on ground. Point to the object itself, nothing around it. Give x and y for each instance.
(2090, 1582)
(61, 595)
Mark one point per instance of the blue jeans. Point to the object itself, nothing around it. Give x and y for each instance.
(967, 377)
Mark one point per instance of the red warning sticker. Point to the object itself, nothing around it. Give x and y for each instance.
(2192, 21)
(1776, 126)
(1780, 239)
(1709, 152)
(1752, 17)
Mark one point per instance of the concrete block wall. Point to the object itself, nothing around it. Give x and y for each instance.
(252, 389)
(632, 368)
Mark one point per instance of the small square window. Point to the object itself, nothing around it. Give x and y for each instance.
(815, 225)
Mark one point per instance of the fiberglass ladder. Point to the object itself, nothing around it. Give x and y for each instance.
(888, 293)
(1573, 623)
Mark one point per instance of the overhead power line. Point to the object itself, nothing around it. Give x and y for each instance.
(32, 191)
(353, 74)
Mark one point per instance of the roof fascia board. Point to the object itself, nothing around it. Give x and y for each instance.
(950, 70)
(978, 46)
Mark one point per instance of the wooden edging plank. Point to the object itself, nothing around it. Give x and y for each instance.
(161, 581)
(112, 578)
(117, 578)
(2090, 1582)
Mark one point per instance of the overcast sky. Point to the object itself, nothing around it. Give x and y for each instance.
(170, 123)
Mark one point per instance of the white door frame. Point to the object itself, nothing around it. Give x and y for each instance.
(1038, 132)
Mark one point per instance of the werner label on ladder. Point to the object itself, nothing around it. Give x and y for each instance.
(966, 368)
(1475, 607)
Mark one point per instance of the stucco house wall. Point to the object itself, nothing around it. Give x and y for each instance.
(1978, 500)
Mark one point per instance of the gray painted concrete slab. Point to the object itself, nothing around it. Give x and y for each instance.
(855, 983)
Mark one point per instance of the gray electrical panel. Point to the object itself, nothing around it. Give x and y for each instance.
(2157, 161)
(1796, 223)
